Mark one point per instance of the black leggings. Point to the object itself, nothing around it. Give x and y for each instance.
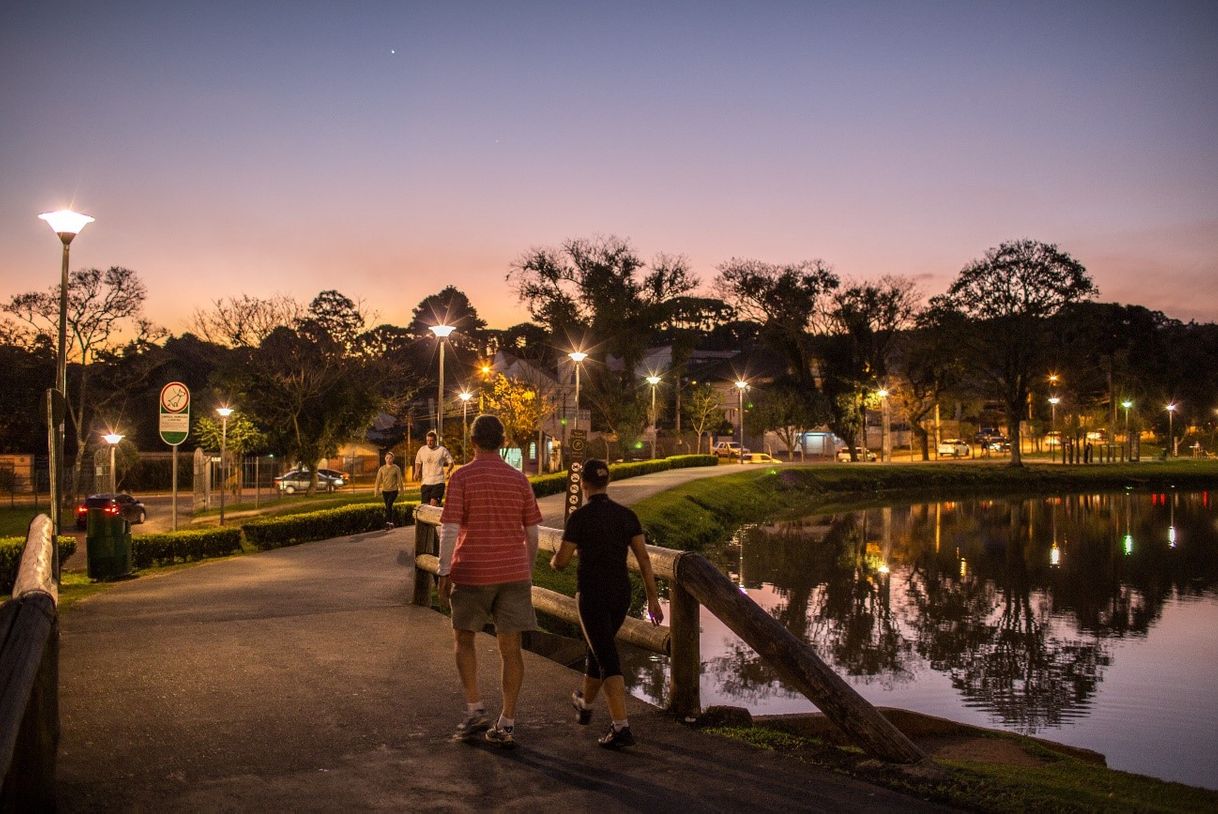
(601, 615)
(389, 498)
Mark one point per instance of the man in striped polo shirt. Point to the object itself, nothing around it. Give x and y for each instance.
(488, 542)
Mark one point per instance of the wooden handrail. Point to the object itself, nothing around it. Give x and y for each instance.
(696, 581)
(29, 677)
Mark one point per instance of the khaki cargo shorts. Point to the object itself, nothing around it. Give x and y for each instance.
(508, 605)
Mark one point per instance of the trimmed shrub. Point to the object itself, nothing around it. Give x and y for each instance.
(10, 557)
(273, 532)
(180, 546)
(556, 482)
(684, 461)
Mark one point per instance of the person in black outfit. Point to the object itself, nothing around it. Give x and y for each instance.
(602, 531)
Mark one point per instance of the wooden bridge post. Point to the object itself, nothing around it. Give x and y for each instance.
(685, 658)
(426, 541)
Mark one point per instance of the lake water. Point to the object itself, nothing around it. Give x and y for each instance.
(1091, 620)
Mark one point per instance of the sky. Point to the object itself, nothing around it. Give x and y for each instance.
(388, 149)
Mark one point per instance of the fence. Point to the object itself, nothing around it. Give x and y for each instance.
(29, 678)
(695, 582)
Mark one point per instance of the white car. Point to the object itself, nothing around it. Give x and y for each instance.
(954, 448)
(861, 454)
(730, 449)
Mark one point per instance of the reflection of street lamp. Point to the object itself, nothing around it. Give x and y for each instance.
(224, 412)
(741, 386)
(885, 451)
(441, 332)
(67, 224)
(112, 438)
(1053, 402)
(653, 380)
(577, 356)
(1128, 441)
(465, 396)
(1171, 445)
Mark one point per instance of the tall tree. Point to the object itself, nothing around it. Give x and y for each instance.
(105, 314)
(704, 408)
(522, 407)
(786, 300)
(245, 321)
(1008, 296)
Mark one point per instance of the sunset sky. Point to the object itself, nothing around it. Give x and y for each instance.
(387, 149)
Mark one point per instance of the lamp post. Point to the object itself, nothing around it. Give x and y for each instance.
(885, 450)
(578, 357)
(224, 412)
(1053, 402)
(112, 438)
(485, 370)
(67, 225)
(1171, 445)
(465, 396)
(441, 332)
(653, 380)
(1128, 441)
(741, 386)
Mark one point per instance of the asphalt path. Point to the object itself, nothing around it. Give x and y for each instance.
(302, 679)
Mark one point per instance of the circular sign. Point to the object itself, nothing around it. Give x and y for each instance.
(175, 397)
(578, 445)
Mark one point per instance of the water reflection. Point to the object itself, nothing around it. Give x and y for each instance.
(1021, 605)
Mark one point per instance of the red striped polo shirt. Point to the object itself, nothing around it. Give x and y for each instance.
(493, 503)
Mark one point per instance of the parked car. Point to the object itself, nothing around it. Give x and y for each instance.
(996, 443)
(759, 458)
(954, 448)
(843, 454)
(112, 505)
(730, 449)
(298, 481)
(1053, 439)
(345, 477)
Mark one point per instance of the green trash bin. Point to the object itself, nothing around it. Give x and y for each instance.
(107, 545)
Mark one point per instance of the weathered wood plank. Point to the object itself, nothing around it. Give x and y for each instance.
(29, 643)
(36, 572)
(685, 665)
(796, 662)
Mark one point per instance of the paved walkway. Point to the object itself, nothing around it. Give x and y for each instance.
(301, 679)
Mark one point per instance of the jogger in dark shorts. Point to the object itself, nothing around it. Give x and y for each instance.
(602, 532)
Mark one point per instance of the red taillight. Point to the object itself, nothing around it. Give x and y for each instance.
(82, 509)
(112, 509)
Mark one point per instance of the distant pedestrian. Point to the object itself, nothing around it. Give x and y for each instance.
(431, 464)
(388, 484)
(602, 531)
(488, 543)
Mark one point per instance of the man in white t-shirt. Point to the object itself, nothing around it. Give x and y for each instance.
(431, 464)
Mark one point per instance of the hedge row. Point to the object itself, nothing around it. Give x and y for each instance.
(274, 532)
(10, 557)
(189, 544)
(556, 482)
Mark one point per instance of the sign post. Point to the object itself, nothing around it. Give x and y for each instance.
(175, 426)
(575, 475)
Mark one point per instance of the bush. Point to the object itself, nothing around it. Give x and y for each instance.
(274, 532)
(556, 482)
(190, 544)
(10, 557)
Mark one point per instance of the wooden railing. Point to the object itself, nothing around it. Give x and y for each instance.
(695, 582)
(29, 677)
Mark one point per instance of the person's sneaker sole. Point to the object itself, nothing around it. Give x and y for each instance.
(583, 715)
(617, 739)
(471, 733)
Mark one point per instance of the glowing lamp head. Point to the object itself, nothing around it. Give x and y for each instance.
(577, 356)
(1171, 408)
(1126, 404)
(66, 223)
(442, 331)
(653, 380)
(882, 392)
(112, 438)
(1054, 400)
(465, 395)
(224, 412)
(742, 384)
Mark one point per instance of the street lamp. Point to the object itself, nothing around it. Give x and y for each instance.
(112, 438)
(1053, 402)
(441, 332)
(67, 224)
(885, 450)
(465, 396)
(224, 412)
(485, 369)
(1171, 446)
(741, 386)
(653, 380)
(1128, 441)
(578, 357)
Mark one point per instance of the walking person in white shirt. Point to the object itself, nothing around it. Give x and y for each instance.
(431, 464)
